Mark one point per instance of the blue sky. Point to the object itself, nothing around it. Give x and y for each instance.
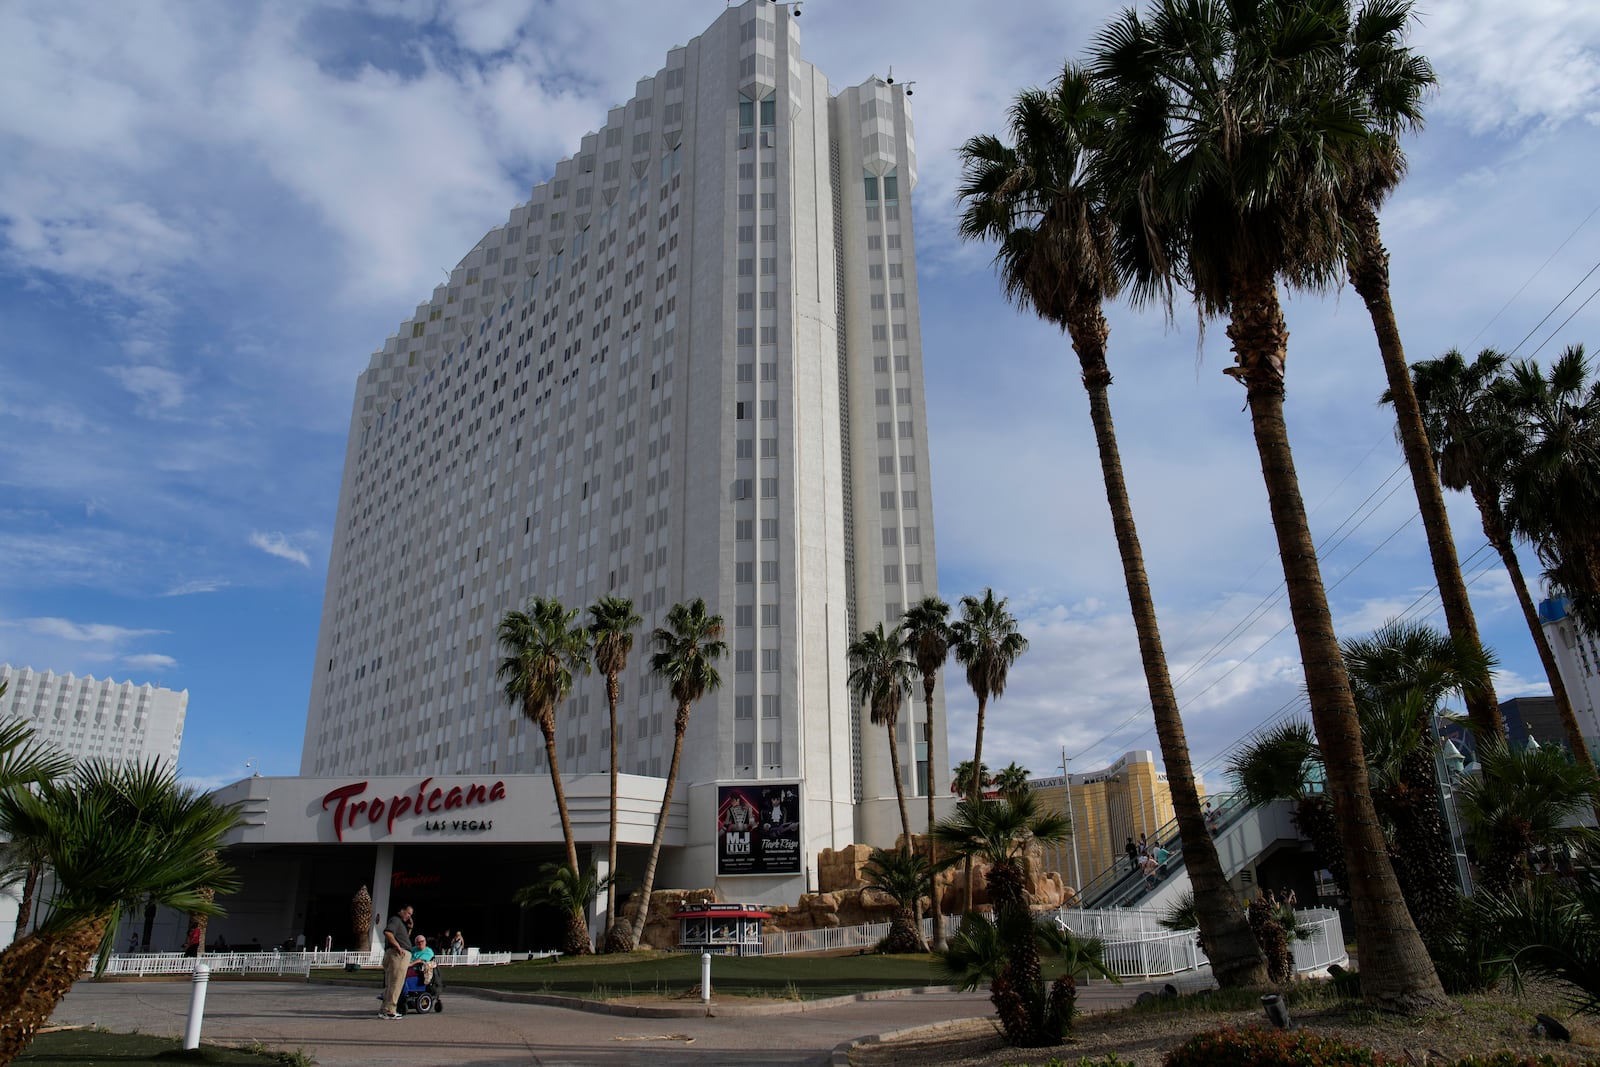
(211, 214)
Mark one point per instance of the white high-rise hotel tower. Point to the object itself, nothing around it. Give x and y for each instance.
(688, 366)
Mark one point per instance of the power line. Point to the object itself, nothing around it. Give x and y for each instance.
(1493, 319)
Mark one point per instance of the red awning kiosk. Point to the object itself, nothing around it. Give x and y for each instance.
(721, 929)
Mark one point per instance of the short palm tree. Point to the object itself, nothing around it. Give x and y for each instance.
(880, 679)
(1392, 80)
(1000, 832)
(1550, 930)
(1525, 798)
(569, 892)
(905, 876)
(1234, 141)
(1401, 675)
(926, 626)
(542, 650)
(686, 652)
(1283, 763)
(115, 835)
(1040, 199)
(26, 761)
(612, 621)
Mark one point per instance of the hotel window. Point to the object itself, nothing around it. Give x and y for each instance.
(769, 409)
(905, 428)
(886, 500)
(769, 570)
(744, 572)
(769, 529)
(744, 707)
(888, 537)
(772, 754)
(872, 188)
(891, 574)
(885, 464)
(770, 705)
(908, 464)
(902, 395)
(743, 529)
(769, 659)
(769, 615)
(769, 112)
(882, 396)
(769, 371)
(744, 661)
(880, 364)
(747, 372)
(913, 572)
(769, 488)
(891, 187)
(744, 615)
(909, 498)
(747, 114)
(769, 448)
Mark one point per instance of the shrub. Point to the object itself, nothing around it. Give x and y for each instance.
(1254, 1047)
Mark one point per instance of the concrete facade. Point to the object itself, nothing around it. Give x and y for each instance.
(689, 365)
(1577, 659)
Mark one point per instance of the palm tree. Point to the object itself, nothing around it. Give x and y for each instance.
(687, 649)
(542, 651)
(1283, 763)
(905, 876)
(880, 678)
(1476, 442)
(26, 761)
(926, 628)
(1233, 143)
(569, 892)
(1401, 674)
(1391, 80)
(611, 625)
(1554, 490)
(1011, 781)
(1000, 833)
(962, 781)
(986, 643)
(114, 835)
(1525, 798)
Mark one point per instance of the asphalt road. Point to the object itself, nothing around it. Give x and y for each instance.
(339, 1026)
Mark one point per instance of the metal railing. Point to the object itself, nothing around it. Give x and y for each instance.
(1319, 940)
(143, 964)
(1121, 885)
(1136, 945)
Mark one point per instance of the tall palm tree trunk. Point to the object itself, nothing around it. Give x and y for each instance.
(1494, 529)
(899, 782)
(548, 728)
(1396, 973)
(611, 825)
(933, 846)
(680, 726)
(36, 972)
(975, 792)
(1236, 958)
(1369, 274)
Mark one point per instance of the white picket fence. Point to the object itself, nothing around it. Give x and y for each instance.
(143, 964)
(1136, 946)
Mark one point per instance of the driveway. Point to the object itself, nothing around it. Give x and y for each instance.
(339, 1026)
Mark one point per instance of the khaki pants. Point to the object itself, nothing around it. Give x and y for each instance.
(394, 977)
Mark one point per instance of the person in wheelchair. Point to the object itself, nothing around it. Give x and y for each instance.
(422, 987)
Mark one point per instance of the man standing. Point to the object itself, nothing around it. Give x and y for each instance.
(396, 958)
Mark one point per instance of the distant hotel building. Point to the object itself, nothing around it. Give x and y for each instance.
(89, 718)
(1577, 660)
(689, 365)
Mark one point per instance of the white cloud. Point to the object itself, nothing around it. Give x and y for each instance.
(156, 386)
(93, 632)
(198, 585)
(150, 661)
(277, 544)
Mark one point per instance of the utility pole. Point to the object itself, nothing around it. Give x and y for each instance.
(1066, 778)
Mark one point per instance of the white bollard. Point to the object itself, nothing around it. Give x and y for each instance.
(705, 978)
(197, 1005)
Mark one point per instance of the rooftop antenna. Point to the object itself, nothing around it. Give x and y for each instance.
(253, 765)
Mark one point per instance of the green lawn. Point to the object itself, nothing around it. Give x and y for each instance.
(95, 1048)
(675, 973)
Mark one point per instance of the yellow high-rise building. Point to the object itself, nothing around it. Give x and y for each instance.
(1107, 807)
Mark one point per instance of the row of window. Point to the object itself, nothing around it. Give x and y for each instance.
(745, 572)
(891, 573)
(745, 704)
(744, 660)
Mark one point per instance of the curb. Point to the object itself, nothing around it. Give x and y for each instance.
(841, 1051)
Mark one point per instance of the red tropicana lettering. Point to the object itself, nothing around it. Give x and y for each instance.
(347, 811)
(342, 794)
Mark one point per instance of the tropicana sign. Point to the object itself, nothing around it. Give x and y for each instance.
(425, 801)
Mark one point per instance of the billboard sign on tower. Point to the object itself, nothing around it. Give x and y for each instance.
(758, 829)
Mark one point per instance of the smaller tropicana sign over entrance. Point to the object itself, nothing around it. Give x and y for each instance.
(429, 802)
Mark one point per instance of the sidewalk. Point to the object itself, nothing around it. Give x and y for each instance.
(339, 1027)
